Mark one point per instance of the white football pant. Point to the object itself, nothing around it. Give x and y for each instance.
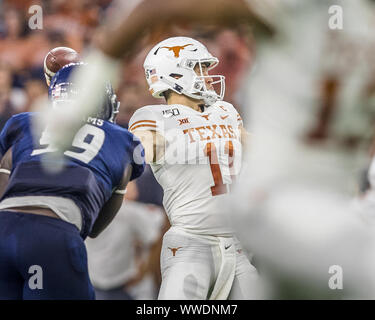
(205, 267)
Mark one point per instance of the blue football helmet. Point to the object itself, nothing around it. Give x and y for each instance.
(63, 90)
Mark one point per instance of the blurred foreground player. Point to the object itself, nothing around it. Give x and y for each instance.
(193, 144)
(45, 217)
(310, 140)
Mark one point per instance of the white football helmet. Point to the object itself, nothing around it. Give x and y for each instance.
(170, 66)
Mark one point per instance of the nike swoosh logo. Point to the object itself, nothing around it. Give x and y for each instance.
(224, 117)
(227, 247)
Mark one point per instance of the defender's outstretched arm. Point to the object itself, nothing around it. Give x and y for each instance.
(120, 38)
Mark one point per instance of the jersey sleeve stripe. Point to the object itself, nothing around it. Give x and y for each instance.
(150, 121)
(149, 126)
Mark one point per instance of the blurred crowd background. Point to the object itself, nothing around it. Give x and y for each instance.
(22, 84)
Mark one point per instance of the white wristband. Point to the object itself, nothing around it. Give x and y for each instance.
(6, 171)
(120, 191)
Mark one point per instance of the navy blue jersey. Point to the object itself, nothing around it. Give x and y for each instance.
(93, 166)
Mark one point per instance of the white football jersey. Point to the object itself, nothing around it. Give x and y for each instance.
(201, 160)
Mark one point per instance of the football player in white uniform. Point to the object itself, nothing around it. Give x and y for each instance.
(193, 144)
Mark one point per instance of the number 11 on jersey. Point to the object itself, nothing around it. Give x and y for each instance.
(211, 152)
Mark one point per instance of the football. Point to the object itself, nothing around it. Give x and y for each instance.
(56, 59)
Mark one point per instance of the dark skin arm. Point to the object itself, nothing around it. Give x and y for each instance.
(125, 35)
(111, 207)
(6, 164)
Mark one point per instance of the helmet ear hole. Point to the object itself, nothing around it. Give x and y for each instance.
(191, 65)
